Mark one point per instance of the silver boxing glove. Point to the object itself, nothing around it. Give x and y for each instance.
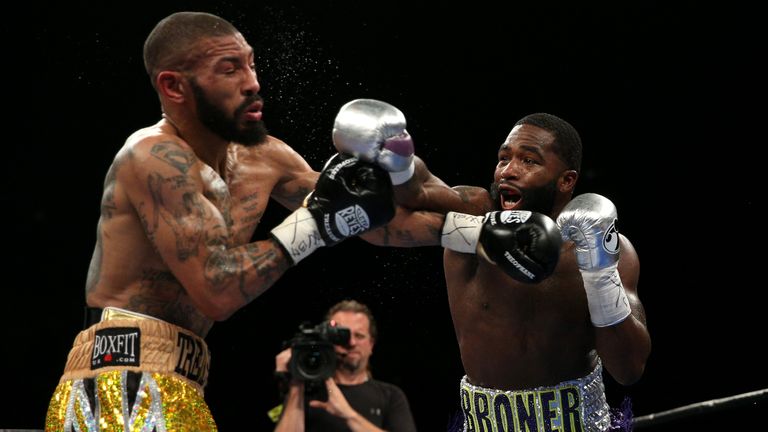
(589, 220)
(374, 131)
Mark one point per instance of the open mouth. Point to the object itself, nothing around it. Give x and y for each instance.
(510, 198)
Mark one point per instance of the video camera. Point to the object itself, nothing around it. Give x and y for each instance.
(313, 358)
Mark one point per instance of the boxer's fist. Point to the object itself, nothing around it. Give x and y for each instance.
(526, 245)
(589, 220)
(374, 131)
(350, 197)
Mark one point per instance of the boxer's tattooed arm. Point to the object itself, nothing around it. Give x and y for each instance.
(412, 230)
(108, 206)
(186, 211)
(405, 237)
(221, 268)
(108, 209)
(293, 199)
(268, 269)
(190, 216)
(475, 197)
(187, 221)
(226, 267)
(218, 194)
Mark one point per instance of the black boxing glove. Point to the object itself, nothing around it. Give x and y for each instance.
(526, 245)
(350, 198)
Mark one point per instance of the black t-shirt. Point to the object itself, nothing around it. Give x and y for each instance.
(383, 404)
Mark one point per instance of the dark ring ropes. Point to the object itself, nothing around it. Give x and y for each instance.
(713, 405)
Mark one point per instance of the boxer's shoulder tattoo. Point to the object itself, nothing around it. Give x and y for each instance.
(174, 155)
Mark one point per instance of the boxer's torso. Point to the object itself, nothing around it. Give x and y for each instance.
(126, 271)
(513, 335)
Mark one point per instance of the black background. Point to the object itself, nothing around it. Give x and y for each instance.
(668, 100)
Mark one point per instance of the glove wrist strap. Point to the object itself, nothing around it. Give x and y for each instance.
(298, 234)
(400, 177)
(607, 300)
(461, 232)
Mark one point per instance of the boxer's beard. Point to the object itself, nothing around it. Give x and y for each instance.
(540, 199)
(224, 126)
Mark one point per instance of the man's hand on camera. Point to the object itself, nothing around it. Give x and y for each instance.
(283, 376)
(282, 360)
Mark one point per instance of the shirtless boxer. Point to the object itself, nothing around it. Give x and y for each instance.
(181, 201)
(536, 320)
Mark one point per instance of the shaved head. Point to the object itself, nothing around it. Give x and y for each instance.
(170, 45)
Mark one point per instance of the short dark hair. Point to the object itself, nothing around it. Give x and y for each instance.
(354, 306)
(168, 45)
(567, 139)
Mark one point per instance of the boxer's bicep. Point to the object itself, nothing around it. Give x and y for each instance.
(184, 227)
(408, 229)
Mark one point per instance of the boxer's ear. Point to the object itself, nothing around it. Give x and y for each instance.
(567, 181)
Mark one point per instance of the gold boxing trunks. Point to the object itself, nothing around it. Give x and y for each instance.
(572, 406)
(132, 372)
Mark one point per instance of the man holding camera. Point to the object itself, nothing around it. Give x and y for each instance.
(356, 401)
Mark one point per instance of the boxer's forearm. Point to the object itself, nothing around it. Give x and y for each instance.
(425, 191)
(624, 349)
(408, 229)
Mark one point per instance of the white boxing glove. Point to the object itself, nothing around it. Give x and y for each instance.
(590, 221)
(374, 131)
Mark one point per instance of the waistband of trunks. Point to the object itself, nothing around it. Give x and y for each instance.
(572, 405)
(131, 341)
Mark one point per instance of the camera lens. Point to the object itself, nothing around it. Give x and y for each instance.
(311, 362)
(314, 361)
